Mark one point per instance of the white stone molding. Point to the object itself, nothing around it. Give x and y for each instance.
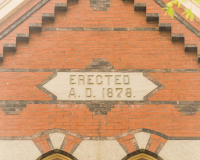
(57, 139)
(99, 150)
(18, 150)
(142, 139)
(181, 150)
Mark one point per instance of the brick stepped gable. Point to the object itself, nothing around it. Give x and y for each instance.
(179, 32)
(33, 23)
(153, 13)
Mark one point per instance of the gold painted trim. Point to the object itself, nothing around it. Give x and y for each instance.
(57, 155)
(142, 155)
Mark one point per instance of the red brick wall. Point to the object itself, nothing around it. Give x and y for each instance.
(152, 50)
(77, 118)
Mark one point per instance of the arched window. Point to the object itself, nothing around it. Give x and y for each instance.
(142, 155)
(56, 155)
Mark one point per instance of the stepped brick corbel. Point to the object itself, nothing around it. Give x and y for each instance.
(152, 16)
(198, 58)
(35, 26)
(165, 26)
(176, 34)
(60, 6)
(47, 16)
(9, 47)
(18, 35)
(22, 37)
(1, 57)
(177, 37)
(140, 7)
(190, 47)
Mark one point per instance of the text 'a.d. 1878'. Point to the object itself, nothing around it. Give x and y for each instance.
(112, 86)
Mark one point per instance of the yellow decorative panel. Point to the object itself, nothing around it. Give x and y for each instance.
(142, 155)
(57, 156)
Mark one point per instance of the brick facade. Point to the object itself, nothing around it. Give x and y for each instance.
(106, 35)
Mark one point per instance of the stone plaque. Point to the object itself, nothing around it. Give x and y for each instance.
(104, 86)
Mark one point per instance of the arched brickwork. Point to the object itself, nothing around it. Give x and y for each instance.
(44, 143)
(154, 144)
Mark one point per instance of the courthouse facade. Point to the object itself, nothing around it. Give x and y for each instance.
(98, 80)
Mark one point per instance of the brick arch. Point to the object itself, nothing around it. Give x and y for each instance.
(43, 141)
(142, 155)
(57, 155)
(154, 144)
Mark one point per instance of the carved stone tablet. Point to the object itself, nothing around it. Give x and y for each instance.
(111, 86)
